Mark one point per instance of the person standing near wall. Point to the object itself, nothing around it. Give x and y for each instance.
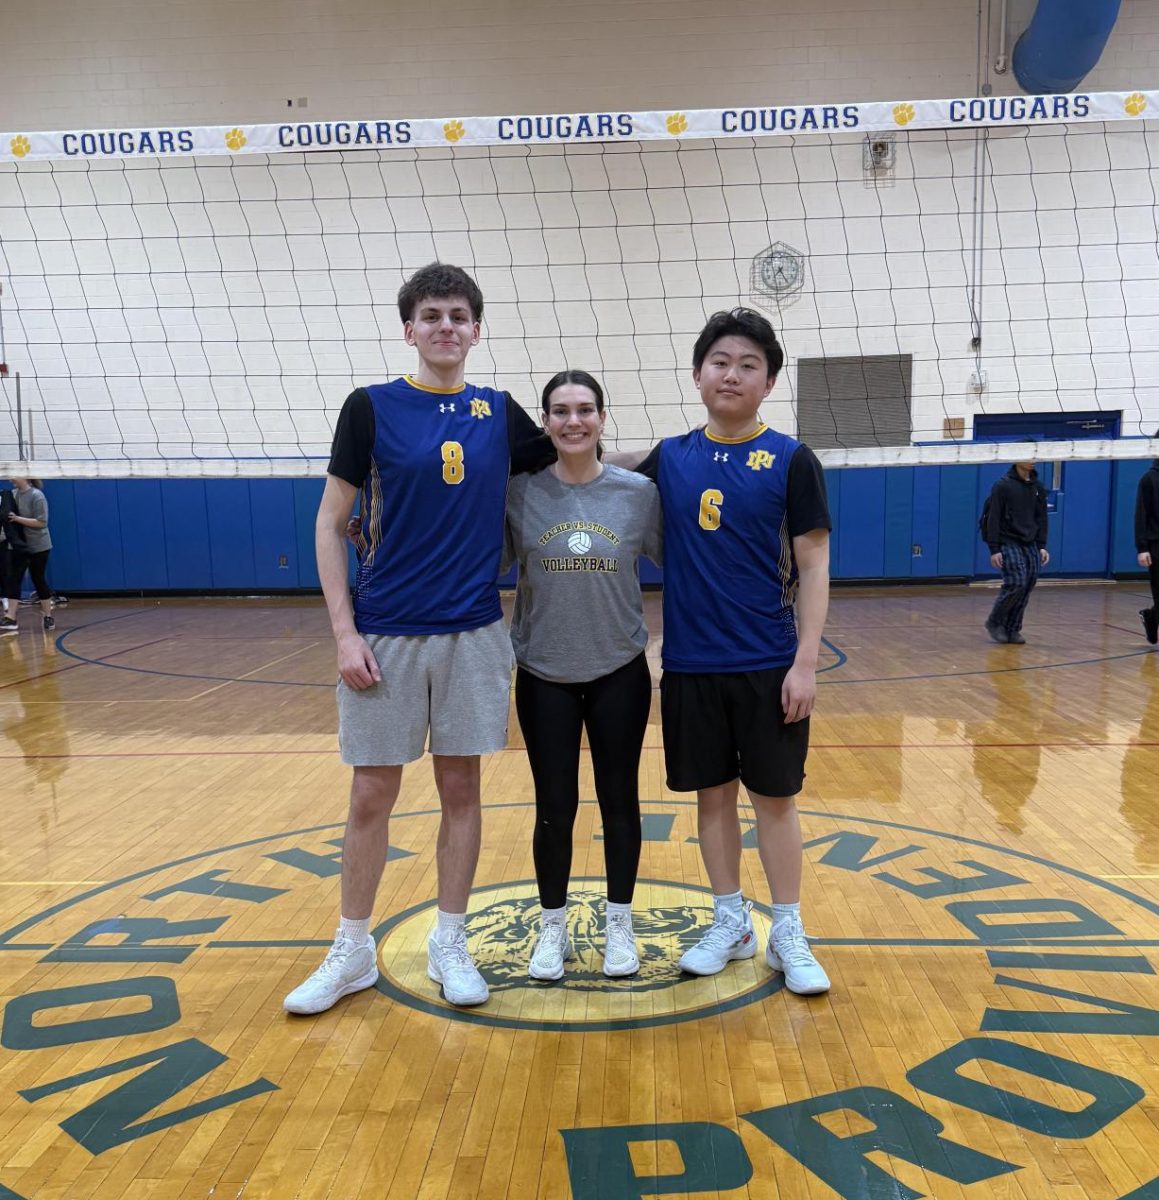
(7, 508)
(1016, 535)
(30, 517)
(1147, 543)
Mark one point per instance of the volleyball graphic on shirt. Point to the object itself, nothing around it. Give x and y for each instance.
(579, 543)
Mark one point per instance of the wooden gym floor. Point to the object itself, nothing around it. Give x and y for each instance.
(982, 883)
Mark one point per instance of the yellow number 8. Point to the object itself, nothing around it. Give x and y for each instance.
(710, 502)
(453, 468)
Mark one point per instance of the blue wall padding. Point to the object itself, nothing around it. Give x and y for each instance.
(927, 493)
(899, 523)
(231, 539)
(862, 543)
(231, 534)
(1084, 531)
(833, 480)
(957, 520)
(1063, 41)
(187, 533)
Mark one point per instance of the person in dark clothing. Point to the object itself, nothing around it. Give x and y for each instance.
(1147, 543)
(1016, 535)
(11, 539)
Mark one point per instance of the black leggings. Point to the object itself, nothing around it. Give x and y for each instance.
(614, 708)
(36, 565)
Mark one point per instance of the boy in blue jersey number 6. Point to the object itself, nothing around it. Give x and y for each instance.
(746, 538)
(424, 650)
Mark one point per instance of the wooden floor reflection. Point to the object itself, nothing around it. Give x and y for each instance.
(982, 882)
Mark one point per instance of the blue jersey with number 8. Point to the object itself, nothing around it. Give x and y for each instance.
(432, 510)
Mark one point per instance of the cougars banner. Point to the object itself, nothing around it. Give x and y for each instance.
(967, 113)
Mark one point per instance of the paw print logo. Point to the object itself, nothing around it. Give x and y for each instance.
(1135, 103)
(454, 131)
(903, 113)
(677, 124)
(20, 145)
(235, 139)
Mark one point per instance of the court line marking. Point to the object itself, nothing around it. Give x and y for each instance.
(329, 750)
(842, 660)
(100, 662)
(264, 667)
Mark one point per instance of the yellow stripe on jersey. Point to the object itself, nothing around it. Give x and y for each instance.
(736, 441)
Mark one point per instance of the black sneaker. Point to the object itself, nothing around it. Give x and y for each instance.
(997, 633)
(1150, 624)
(1016, 639)
(7, 625)
(49, 624)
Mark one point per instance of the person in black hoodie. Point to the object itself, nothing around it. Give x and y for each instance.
(1016, 535)
(1147, 543)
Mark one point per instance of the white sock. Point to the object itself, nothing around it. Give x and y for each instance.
(354, 931)
(450, 926)
(731, 906)
(782, 912)
(618, 910)
(548, 915)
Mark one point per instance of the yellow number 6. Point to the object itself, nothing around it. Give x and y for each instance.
(453, 468)
(710, 502)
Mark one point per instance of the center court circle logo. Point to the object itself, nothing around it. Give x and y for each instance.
(668, 918)
(1036, 967)
(883, 897)
(579, 543)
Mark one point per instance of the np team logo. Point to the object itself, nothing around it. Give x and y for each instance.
(668, 919)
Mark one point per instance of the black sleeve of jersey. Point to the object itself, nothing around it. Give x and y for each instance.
(651, 464)
(530, 447)
(807, 501)
(353, 446)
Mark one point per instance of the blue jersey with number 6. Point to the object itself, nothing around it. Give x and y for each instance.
(731, 509)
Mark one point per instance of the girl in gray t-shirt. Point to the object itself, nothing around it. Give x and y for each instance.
(577, 530)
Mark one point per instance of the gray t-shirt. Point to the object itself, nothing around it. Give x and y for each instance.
(578, 610)
(31, 503)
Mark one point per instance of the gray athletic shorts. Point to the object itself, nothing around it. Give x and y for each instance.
(456, 685)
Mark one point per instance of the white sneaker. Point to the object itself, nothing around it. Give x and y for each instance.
(788, 951)
(620, 954)
(551, 948)
(348, 967)
(725, 940)
(453, 967)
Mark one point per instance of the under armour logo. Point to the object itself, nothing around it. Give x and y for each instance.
(446, 408)
(718, 457)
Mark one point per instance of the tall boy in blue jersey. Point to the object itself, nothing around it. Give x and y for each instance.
(746, 536)
(424, 649)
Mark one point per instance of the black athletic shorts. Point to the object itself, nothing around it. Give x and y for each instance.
(720, 727)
